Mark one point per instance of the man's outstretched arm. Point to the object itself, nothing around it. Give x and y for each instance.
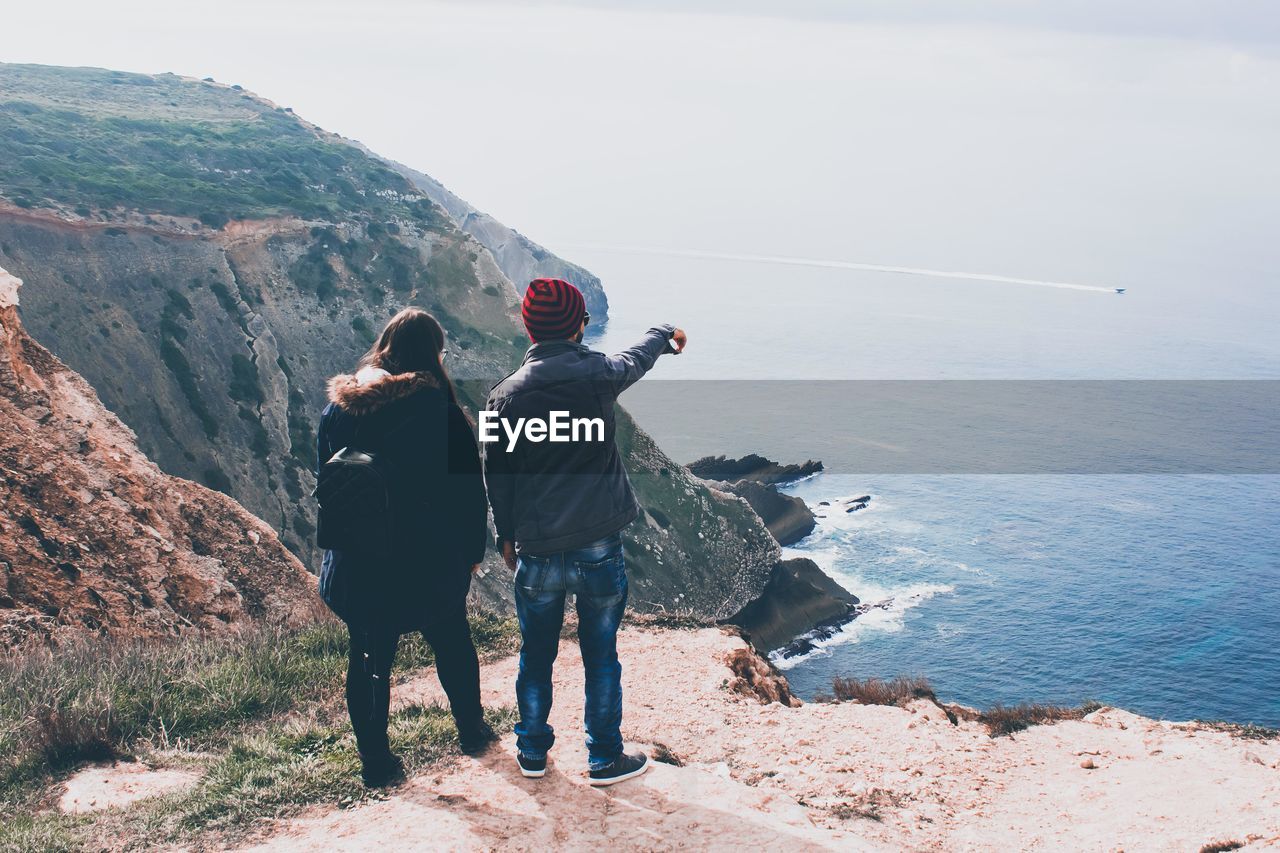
(626, 368)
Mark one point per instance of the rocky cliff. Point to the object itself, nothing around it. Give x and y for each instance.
(206, 259)
(788, 517)
(521, 259)
(94, 537)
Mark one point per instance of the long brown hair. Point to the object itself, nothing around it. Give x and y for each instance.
(411, 342)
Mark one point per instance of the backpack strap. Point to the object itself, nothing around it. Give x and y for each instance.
(355, 437)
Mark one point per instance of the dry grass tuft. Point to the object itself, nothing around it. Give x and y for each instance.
(1221, 846)
(1244, 731)
(679, 619)
(1001, 720)
(868, 805)
(879, 691)
(662, 753)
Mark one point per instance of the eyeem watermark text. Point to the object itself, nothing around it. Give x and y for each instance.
(560, 427)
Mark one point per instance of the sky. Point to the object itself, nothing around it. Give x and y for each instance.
(1092, 141)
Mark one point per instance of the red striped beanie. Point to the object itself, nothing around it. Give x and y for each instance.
(553, 310)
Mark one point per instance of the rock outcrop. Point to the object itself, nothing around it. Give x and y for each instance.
(799, 599)
(696, 550)
(94, 537)
(752, 467)
(755, 479)
(799, 605)
(787, 517)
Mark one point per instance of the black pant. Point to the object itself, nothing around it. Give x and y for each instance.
(369, 675)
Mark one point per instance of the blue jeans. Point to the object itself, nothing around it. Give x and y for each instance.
(597, 577)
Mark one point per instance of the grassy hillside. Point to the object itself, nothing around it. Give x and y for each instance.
(166, 145)
(259, 720)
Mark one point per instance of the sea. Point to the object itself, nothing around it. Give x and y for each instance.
(1156, 590)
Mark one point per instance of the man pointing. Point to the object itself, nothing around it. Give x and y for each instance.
(559, 509)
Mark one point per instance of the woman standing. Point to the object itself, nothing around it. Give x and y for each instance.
(401, 406)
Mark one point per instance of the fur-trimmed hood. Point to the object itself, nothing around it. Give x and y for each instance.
(372, 388)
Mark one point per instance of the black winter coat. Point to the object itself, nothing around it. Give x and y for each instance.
(549, 496)
(438, 499)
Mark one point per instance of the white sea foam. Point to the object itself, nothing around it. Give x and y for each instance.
(885, 613)
(884, 606)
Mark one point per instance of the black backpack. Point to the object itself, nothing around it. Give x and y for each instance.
(354, 492)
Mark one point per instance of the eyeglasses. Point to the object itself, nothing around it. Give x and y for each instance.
(586, 317)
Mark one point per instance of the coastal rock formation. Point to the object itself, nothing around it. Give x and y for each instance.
(800, 598)
(788, 517)
(799, 604)
(752, 467)
(755, 479)
(94, 537)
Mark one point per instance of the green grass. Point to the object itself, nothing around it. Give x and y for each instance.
(267, 772)
(364, 332)
(92, 139)
(245, 384)
(260, 716)
(267, 164)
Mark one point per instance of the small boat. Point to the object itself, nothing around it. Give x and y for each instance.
(1120, 290)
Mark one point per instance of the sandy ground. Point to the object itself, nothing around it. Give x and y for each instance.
(117, 785)
(822, 776)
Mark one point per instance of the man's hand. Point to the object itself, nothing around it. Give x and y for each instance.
(679, 339)
(509, 554)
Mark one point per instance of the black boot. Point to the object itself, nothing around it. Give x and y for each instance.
(476, 737)
(380, 769)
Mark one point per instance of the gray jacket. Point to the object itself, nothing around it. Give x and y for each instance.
(550, 496)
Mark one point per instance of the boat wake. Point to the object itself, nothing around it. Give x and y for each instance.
(843, 265)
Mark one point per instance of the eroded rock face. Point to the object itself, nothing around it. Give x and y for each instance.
(94, 537)
(799, 597)
(788, 517)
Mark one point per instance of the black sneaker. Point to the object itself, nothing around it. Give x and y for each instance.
(476, 740)
(532, 768)
(624, 767)
(381, 771)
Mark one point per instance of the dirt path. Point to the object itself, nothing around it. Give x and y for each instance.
(820, 776)
(120, 784)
